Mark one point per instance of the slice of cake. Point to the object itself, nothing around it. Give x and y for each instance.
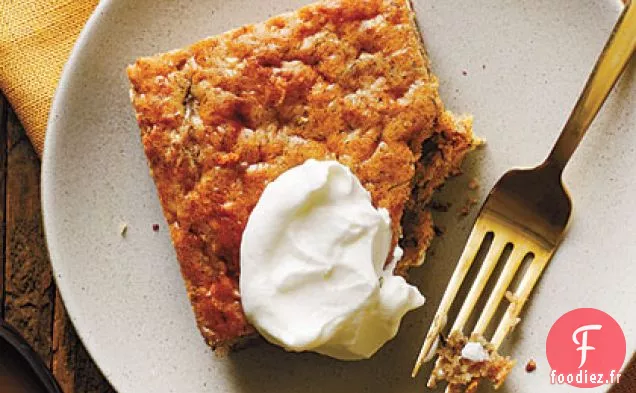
(344, 80)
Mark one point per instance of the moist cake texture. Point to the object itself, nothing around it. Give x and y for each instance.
(341, 79)
(463, 375)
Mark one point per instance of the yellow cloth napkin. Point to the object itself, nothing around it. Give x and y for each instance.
(36, 37)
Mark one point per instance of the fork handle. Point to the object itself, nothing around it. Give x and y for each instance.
(613, 60)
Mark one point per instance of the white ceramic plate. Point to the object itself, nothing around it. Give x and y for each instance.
(525, 64)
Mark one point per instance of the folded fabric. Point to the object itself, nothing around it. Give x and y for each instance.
(36, 37)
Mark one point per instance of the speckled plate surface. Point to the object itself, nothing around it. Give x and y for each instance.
(517, 66)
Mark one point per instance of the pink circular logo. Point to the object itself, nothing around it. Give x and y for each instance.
(585, 348)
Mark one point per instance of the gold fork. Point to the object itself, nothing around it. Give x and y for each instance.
(529, 208)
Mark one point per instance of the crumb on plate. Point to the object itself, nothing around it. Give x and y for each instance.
(468, 205)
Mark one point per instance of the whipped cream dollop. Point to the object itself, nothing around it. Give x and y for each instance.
(312, 265)
(475, 351)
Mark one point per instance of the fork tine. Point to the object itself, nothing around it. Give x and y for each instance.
(465, 261)
(528, 281)
(432, 382)
(490, 261)
(509, 270)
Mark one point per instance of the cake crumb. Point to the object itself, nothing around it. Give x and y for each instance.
(479, 143)
(468, 206)
(464, 375)
(511, 297)
(155, 227)
(439, 206)
(531, 366)
(473, 184)
(464, 72)
(442, 339)
(123, 229)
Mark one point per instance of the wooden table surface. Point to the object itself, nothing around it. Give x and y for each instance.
(29, 300)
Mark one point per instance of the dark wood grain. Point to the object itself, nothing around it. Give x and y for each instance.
(628, 377)
(28, 298)
(4, 108)
(64, 341)
(72, 366)
(29, 289)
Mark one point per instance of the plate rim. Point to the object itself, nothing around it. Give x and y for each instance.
(47, 176)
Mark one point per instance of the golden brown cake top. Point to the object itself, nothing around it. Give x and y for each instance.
(341, 79)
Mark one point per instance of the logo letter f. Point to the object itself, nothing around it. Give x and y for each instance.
(583, 344)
